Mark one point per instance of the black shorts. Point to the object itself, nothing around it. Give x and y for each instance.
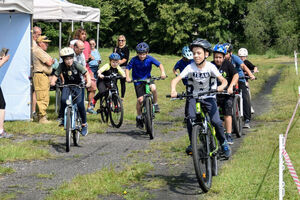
(140, 90)
(225, 102)
(2, 100)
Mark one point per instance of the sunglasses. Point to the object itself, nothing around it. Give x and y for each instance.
(121, 40)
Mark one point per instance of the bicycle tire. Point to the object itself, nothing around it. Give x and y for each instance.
(214, 158)
(116, 111)
(148, 117)
(103, 110)
(237, 121)
(68, 129)
(201, 158)
(77, 131)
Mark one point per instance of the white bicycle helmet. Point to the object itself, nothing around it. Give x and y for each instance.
(186, 52)
(243, 52)
(66, 52)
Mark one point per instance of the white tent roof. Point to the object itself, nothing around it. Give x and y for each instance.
(24, 6)
(55, 10)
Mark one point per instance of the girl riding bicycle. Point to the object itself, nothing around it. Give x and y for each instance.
(72, 73)
(106, 70)
(199, 75)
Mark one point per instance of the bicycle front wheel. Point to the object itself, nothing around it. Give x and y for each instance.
(201, 158)
(68, 129)
(148, 117)
(237, 121)
(104, 110)
(76, 132)
(116, 111)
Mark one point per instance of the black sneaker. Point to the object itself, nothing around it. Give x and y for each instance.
(189, 150)
(139, 123)
(156, 108)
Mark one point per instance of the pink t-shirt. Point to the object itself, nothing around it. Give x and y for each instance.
(87, 52)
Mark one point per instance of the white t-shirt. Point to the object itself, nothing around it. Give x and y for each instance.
(201, 80)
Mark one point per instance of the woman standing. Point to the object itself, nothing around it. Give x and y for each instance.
(123, 51)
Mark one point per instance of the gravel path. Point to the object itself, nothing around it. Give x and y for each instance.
(100, 150)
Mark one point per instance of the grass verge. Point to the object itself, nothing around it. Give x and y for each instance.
(252, 173)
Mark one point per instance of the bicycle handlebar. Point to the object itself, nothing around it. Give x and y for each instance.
(183, 94)
(148, 80)
(81, 85)
(113, 75)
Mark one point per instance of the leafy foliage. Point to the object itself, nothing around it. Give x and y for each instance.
(167, 25)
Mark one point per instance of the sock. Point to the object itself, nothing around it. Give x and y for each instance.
(139, 116)
(1, 131)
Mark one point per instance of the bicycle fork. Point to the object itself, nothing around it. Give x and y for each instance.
(206, 125)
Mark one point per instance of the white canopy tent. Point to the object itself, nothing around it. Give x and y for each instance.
(15, 22)
(64, 11)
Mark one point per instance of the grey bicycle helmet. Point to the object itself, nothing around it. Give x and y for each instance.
(199, 42)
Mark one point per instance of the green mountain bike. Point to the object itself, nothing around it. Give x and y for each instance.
(148, 111)
(204, 143)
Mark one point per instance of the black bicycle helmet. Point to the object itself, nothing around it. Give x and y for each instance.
(142, 47)
(228, 47)
(201, 43)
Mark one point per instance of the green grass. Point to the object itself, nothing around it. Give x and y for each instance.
(252, 173)
(28, 150)
(6, 170)
(104, 183)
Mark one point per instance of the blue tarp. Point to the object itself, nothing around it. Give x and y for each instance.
(14, 75)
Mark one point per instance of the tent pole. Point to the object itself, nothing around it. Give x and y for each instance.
(97, 35)
(59, 43)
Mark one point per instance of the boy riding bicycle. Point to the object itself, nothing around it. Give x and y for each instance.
(106, 70)
(141, 66)
(72, 73)
(226, 101)
(240, 66)
(200, 74)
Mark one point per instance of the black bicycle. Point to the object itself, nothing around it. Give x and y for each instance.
(204, 142)
(111, 105)
(148, 110)
(237, 112)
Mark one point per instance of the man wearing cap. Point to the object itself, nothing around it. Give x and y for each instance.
(41, 70)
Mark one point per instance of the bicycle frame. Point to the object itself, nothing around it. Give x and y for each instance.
(201, 119)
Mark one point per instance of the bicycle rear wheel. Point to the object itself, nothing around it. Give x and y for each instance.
(237, 121)
(68, 129)
(116, 111)
(76, 132)
(148, 117)
(104, 109)
(201, 158)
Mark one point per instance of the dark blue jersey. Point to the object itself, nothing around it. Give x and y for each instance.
(181, 64)
(142, 69)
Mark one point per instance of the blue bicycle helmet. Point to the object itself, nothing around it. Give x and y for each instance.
(114, 56)
(186, 52)
(228, 47)
(219, 48)
(142, 47)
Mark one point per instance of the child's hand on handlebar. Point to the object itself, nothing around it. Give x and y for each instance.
(163, 76)
(173, 94)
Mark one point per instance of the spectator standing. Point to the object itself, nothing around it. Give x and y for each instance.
(123, 51)
(80, 34)
(41, 70)
(95, 59)
(3, 134)
(37, 32)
